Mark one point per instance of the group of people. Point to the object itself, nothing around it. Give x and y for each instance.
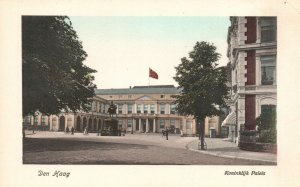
(165, 133)
(68, 130)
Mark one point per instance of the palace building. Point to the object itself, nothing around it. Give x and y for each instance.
(140, 109)
(252, 50)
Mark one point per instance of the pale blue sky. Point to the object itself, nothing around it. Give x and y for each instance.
(122, 49)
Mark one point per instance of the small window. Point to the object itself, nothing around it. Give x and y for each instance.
(129, 123)
(162, 108)
(120, 108)
(138, 109)
(110, 96)
(268, 29)
(162, 96)
(129, 109)
(43, 120)
(27, 119)
(145, 108)
(266, 108)
(152, 109)
(172, 123)
(268, 70)
(129, 96)
(173, 108)
(162, 123)
(35, 119)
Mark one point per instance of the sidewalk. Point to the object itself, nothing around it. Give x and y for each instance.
(222, 148)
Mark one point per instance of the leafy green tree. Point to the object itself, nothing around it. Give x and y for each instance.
(202, 83)
(53, 74)
(266, 125)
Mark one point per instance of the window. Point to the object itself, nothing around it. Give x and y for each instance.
(162, 108)
(162, 123)
(152, 110)
(129, 96)
(172, 123)
(35, 120)
(268, 29)
(120, 109)
(145, 108)
(162, 96)
(110, 96)
(129, 123)
(173, 108)
(268, 108)
(129, 108)
(27, 119)
(268, 70)
(43, 120)
(138, 109)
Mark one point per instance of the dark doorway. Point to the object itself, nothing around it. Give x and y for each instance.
(90, 128)
(150, 121)
(84, 123)
(78, 124)
(95, 125)
(143, 125)
(137, 125)
(62, 123)
(99, 125)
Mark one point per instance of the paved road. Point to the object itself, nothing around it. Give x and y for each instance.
(141, 149)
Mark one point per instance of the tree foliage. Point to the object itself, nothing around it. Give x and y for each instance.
(266, 126)
(203, 84)
(53, 74)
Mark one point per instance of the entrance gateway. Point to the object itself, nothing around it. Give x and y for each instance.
(61, 123)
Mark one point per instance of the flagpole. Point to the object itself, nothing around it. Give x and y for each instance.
(148, 80)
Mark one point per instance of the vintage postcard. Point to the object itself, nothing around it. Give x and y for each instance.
(120, 93)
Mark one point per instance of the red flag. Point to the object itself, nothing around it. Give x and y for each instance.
(153, 74)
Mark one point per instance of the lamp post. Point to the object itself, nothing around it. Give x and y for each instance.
(34, 123)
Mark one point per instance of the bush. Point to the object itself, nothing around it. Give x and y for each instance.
(248, 133)
(266, 126)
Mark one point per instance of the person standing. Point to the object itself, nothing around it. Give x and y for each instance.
(85, 131)
(167, 132)
(72, 131)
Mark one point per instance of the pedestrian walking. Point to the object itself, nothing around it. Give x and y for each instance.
(85, 131)
(72, 131)
(67, 130)
(167, 134)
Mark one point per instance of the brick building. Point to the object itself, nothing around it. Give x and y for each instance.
(252, 50)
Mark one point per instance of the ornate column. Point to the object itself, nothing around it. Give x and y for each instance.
(147, 125)
(154, 125)
(133, 124)
(140, 124)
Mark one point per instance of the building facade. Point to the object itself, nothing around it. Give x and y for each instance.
(94, 119)
(148, 109)
(252, 50)
(141, 109)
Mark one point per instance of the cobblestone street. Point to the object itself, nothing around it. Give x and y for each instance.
(141, 149)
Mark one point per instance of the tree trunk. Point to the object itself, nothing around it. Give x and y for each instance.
(201, 133)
